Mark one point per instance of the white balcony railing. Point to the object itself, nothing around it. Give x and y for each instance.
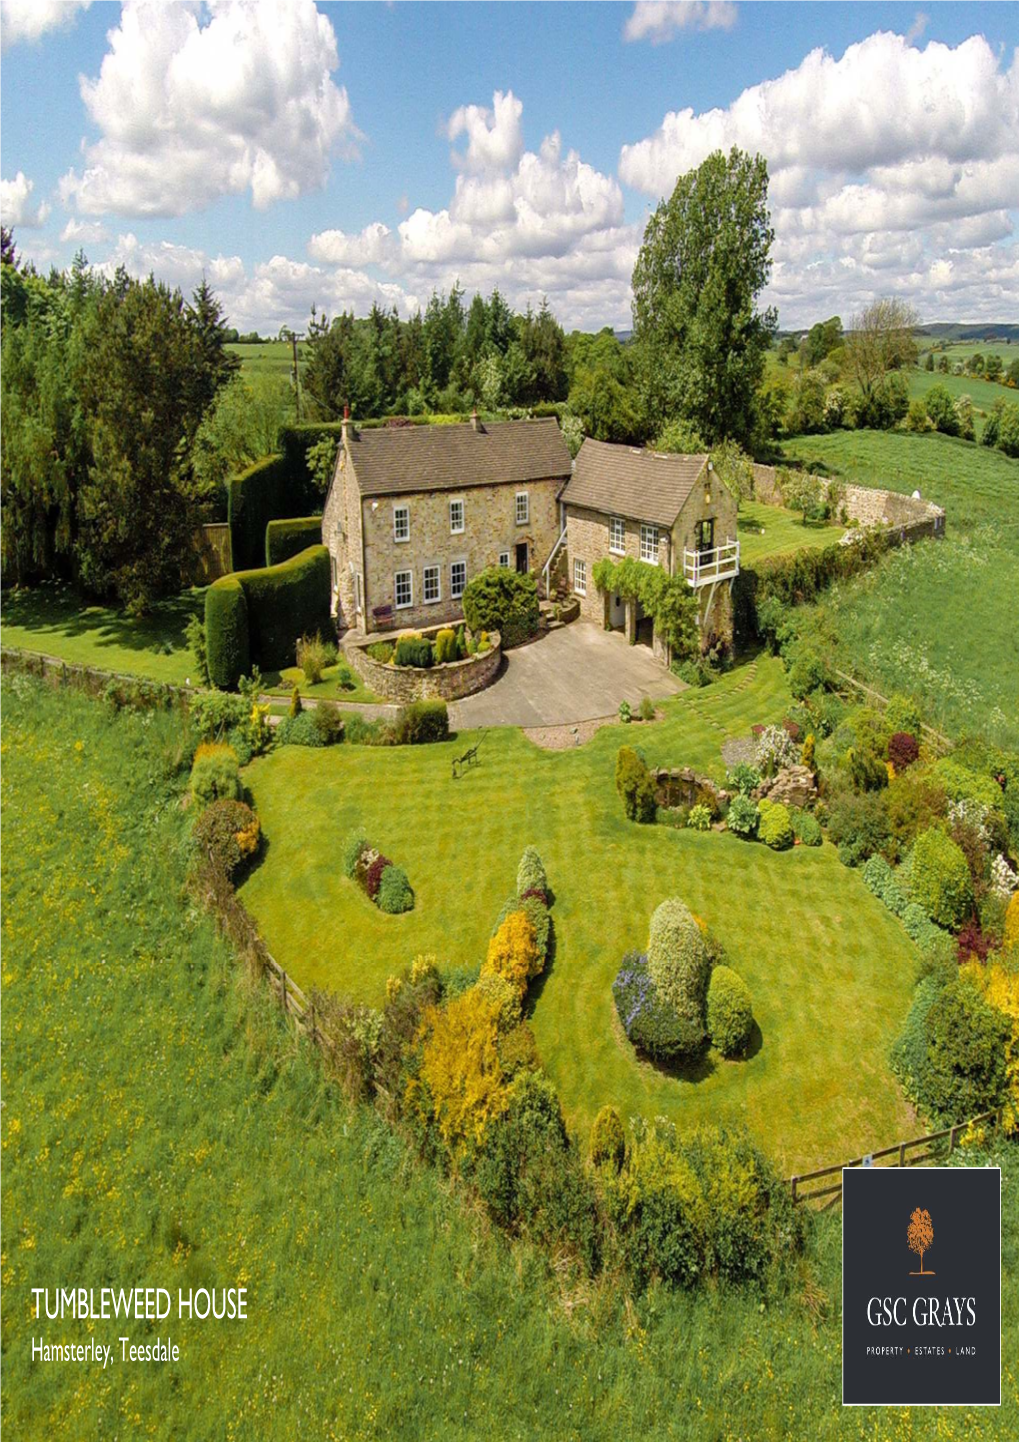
(722, 563)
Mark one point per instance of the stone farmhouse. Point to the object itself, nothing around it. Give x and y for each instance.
(671, 511)
(413, 512)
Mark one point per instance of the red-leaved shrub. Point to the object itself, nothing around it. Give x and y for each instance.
(373, 876)
(903, 750)
(971, 943)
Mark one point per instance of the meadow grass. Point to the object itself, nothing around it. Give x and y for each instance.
(274, 357)
(829, 969)
(57, 620)
(937, 619)
(983, 393)
(775, 531)
(161, 1126)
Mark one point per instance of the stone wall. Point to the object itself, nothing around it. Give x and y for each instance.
(448, 682)
(867, 506)
(490, 529)
(341, 535)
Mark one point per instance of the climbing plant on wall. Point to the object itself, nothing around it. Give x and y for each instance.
(669, 600)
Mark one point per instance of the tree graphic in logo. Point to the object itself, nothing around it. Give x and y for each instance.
(920, 1236)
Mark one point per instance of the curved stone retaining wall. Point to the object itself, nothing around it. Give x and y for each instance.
(448, 682)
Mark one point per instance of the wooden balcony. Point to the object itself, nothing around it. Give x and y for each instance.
(705, 568)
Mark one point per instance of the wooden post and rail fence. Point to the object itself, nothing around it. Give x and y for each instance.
(903, 1154)
(935, 738)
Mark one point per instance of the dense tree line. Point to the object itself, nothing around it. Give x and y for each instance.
(105, 384)
(445, 360)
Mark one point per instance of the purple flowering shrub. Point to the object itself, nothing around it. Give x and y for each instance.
(653, 1027)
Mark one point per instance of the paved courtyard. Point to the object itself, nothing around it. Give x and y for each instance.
(574, 674)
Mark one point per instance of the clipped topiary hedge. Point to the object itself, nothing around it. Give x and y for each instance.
(498, 599)
(254, 498)
(228, 652)
(254, 617)
(678, 960)
(286, 538)
(297, 440)
(730, 1018)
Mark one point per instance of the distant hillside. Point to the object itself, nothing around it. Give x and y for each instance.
(1001, 332)
(1007, 331)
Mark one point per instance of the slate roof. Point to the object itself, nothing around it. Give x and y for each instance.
(395, 460)
(637, 484)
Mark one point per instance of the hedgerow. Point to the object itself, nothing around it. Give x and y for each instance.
(255, 617)
(286, 538)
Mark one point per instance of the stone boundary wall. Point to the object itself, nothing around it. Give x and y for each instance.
(448, 682)
(867, 506)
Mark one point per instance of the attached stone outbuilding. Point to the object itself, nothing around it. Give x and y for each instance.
(668, 510)
(413, 512)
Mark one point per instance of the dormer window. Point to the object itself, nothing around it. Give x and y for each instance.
(401, 523)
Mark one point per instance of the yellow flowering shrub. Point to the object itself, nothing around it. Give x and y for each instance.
(461, 1080)
(1011, 930)
(514, 953)
(423, 966)
(1001, 989)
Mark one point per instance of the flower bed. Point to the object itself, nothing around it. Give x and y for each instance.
(407, 668)
(385, 884)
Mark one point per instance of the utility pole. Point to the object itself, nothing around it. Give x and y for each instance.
(294, 338)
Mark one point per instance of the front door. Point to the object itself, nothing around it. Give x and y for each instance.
(522, 558)
(705, 535)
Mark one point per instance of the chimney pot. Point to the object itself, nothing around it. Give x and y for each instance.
(475, 423)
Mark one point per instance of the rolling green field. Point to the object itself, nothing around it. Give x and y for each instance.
(815, 948)
(962, 350)
(54, 619)
(983, 393)
(937, 619)
(274, 357)
(160, 1126)
(775, 531)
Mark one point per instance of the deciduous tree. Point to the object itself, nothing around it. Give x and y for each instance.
(702, 267)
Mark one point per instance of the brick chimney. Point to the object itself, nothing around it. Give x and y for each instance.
(476, 424)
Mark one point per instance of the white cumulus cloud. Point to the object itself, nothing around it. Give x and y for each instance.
(494, 136)
(661, 20)
(16, 203)
(888, 155)
(196, 102)
(31, 19)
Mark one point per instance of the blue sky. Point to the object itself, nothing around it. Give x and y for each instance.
(348, 153)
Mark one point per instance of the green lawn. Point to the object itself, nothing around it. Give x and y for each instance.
(331, 688)
(829, 969)
(160, 1124)
(939, 618)
(55, 620)
(775, 531)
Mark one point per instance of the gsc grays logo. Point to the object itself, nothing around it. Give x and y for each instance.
(921, 1286)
